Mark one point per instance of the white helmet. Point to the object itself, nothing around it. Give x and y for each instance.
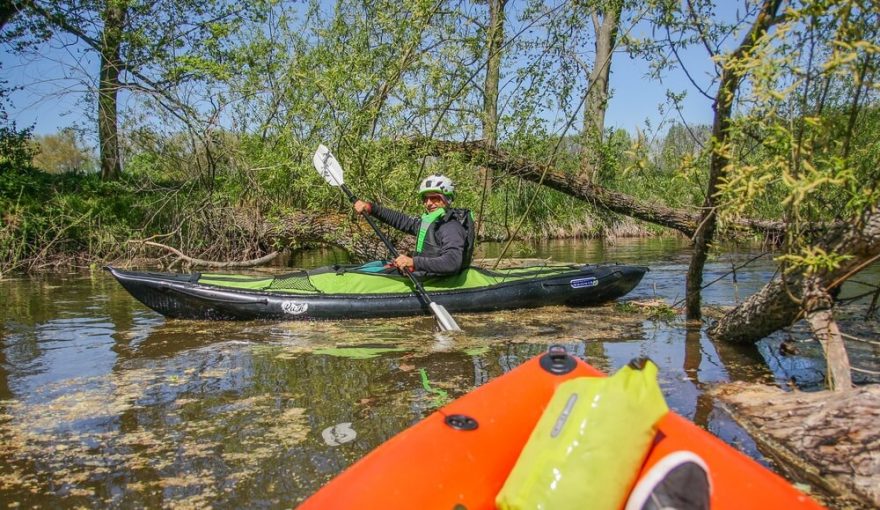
(437, 184)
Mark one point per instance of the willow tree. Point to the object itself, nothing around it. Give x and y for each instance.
(795, 124)
(732, 74)
(811, 130)
(143, 47)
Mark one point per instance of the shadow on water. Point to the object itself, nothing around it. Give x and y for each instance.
(104, 403)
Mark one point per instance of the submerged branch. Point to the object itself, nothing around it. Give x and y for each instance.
(772, 308)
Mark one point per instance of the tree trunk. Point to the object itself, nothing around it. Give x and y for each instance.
(495, 40)
(778, 304)
(597, 91)
(678, 219)
(108, 90)
(829, 439)
(730, 79)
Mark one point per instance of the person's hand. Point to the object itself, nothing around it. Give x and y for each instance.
(404, 263)
(362, 207)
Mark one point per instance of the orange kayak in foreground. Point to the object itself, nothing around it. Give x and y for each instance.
(460, 456)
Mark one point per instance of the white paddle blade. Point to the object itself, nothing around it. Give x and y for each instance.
(327, 166)
(444, 320)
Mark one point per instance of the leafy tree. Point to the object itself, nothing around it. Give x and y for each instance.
(794, 105)
(143, 47)
(61, 153)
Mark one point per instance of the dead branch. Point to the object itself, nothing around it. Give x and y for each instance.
(210, 263)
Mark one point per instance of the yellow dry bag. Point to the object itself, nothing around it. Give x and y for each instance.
(588, 446)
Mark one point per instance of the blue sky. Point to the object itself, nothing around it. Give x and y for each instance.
(52, 94)
(51, 88)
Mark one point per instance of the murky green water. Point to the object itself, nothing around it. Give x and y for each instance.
(104, 403)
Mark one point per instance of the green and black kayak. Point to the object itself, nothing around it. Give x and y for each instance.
(349, 292)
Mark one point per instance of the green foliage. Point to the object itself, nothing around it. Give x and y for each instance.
(47, 215)
(16, 150)
(813, 259)
(159, 51)
(63, 152)
(804, 149)
(658, 311)
(801, 145)
(57, 218)
(671, 169)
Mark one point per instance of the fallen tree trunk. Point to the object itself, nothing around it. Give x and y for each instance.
(621, 203)
(831, 438)
(779, 303)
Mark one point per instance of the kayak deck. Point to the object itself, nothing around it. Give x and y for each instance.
(441, 463)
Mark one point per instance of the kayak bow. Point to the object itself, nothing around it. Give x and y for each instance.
(461, 455)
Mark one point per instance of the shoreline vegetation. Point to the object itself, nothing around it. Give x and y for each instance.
(60, 221)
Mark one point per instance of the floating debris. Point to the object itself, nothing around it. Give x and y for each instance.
(338, 434)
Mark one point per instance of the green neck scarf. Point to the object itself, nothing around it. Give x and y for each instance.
(427, 220)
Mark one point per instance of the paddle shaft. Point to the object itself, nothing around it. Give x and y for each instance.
(394, 253)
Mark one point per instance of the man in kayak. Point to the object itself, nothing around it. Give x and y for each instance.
(444, 237)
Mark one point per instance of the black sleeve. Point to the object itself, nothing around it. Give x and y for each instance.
(452, 238)
(400, 221)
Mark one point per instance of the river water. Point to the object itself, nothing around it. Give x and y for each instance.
(104, 403)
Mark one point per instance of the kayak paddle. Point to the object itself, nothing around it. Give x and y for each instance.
(331, 171)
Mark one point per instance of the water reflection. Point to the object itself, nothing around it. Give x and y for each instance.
(104, 403)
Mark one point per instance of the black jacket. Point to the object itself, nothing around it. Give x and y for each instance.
(443, 249)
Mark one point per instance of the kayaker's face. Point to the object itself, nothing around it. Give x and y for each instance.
(432, 201)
